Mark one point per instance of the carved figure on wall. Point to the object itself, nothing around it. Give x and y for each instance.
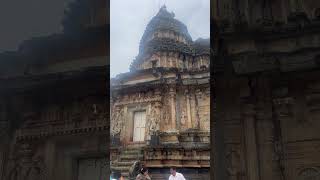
(94, 109)
(27, 171)
(233, 163)
(27, 167)
(154, 118)
(14, 173)
(116, 121)
(183, 117)
(165, 115)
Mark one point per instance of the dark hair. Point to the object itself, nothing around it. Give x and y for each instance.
(116, 175)
(173, 168)
(143, 170)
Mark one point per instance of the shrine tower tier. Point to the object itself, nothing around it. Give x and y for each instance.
(166, 42)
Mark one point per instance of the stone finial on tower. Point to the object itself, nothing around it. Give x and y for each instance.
(163, 6)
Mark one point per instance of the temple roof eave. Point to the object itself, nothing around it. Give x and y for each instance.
(160, 82)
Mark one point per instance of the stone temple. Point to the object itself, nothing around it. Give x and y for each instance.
(160, 110)
(267, 89)
(53, 111)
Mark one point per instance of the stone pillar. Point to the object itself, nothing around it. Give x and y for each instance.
(265, 123)
(198, 96)
(172, 94)
(50, 159)
(159, 59)
(3, 155)
(189, 123)
(171, 59)
(166, 59)
(3, 138)
(250, 142)
(187, 62)
(217, 132)
(2, 161)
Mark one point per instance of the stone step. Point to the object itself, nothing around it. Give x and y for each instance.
(124, 163)
(125, 174)
(130, 157)
(120, 168)
(131, 152)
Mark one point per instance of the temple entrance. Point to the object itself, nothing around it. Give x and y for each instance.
(139, 126)
(93, 169)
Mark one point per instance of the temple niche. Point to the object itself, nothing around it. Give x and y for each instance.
(161, 109)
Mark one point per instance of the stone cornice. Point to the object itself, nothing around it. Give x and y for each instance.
(271, 32)
(35, 134)
(159, 71)
(250, 63)
(156, 99)
(35, 81)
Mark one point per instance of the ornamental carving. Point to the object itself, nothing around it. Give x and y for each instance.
(309, 174)
(117, 120)
(138, 98)
(165, 116)
(183, 117)
(154, 122)
(233, 162)
(27, 166)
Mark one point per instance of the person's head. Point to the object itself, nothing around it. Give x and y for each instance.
(173, 171)
(144, 171)
(115, 175)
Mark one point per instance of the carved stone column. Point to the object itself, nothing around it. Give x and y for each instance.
(198, 97)
(50, 151)
(3, 139)
(189, 123)
(166, 57)
(172, 94)
(250, 142)
(171, 55)
(3, 153)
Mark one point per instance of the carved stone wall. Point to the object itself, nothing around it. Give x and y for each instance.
(178, 108)
(274, 133)
(43, 126)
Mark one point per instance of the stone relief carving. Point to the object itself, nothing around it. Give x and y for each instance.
(183, 117)
(155, 116)
(233, 163)
(138, 98)
(117, 120)
(309, 174)
(26, 166)
(165, 115)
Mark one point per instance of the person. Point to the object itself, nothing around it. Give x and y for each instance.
(175, 175)
(143, 175)
(114, 176)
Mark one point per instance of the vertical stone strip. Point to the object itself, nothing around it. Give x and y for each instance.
(172, 94)
(3, 138)
(250, 142)
(166, 59)
(50, 159)
(188, 109)
(171, 59)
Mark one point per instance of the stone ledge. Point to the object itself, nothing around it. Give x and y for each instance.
(23, 134)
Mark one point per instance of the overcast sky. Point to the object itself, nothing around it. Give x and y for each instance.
(129, 18)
